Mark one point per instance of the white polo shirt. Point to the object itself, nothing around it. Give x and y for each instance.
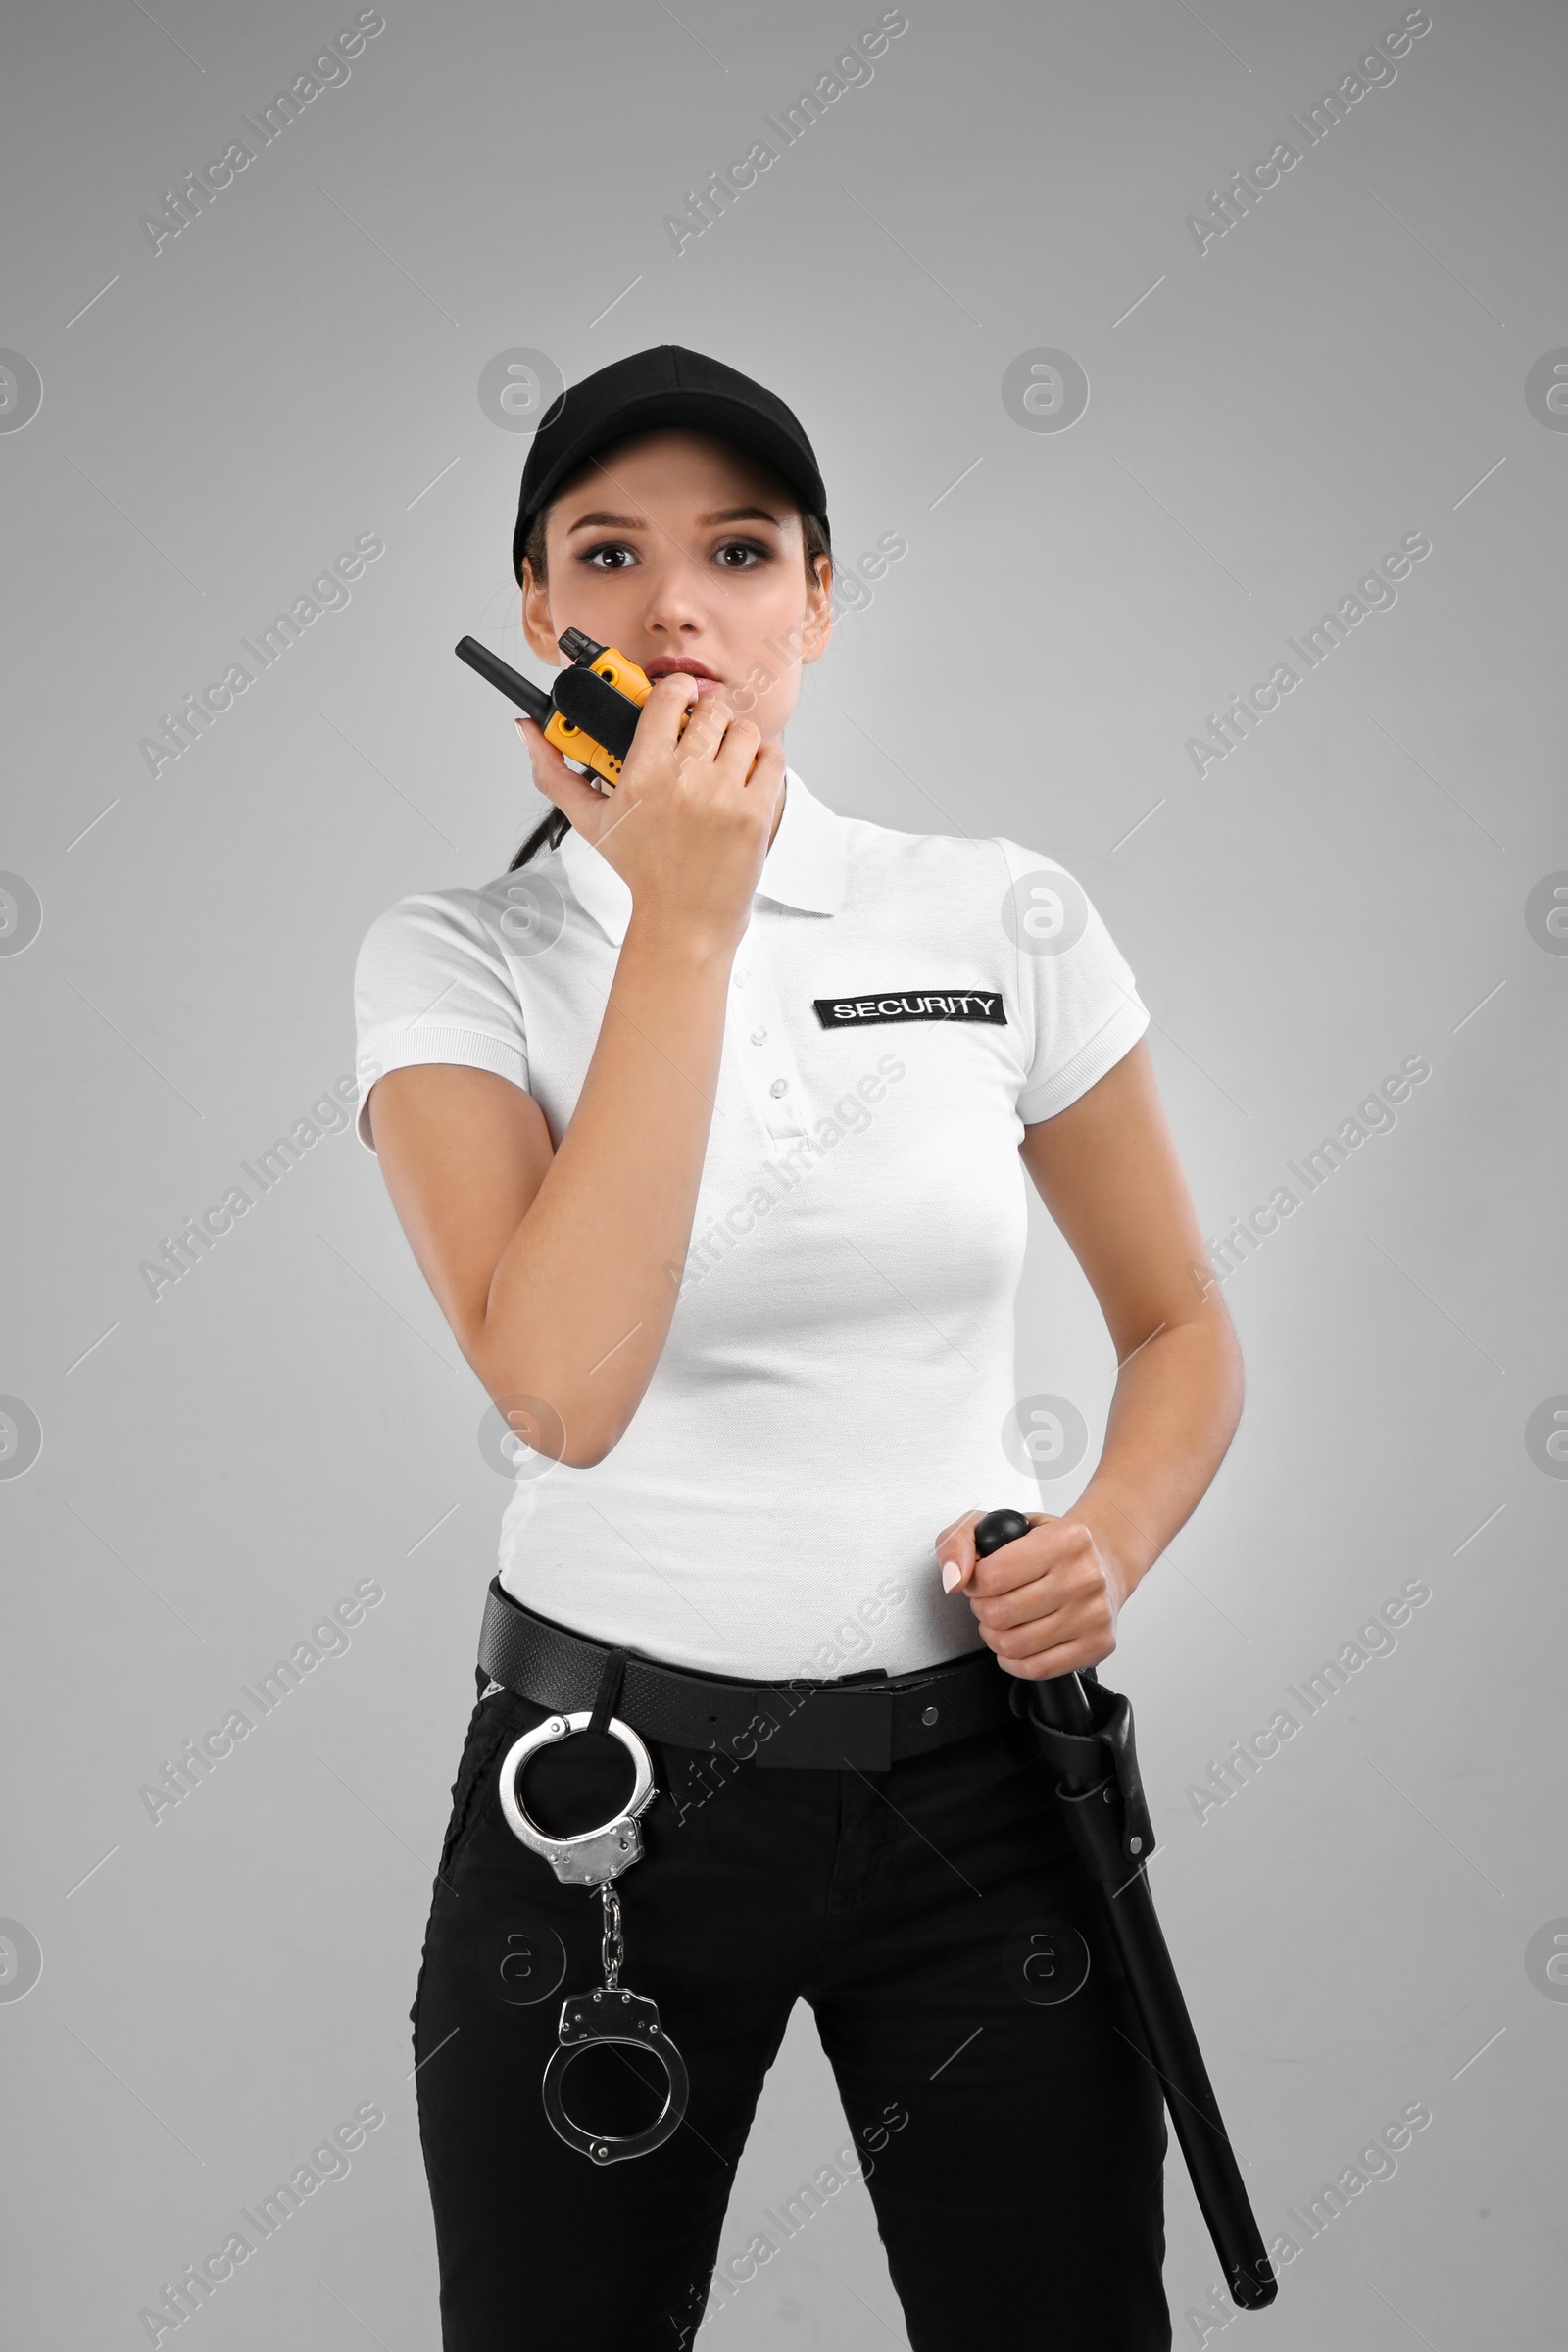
(838, 1381)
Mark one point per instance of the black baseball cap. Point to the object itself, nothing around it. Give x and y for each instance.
(663, 386)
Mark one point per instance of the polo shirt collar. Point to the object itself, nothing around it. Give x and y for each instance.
(806, 866)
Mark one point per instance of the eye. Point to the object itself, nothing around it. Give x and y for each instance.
(748, 551)
(610, 547)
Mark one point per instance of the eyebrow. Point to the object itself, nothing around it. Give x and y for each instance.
(601, 520)
(739, 515)
(624, 523)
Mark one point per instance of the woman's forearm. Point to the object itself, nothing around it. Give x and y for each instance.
(583, 1296)
(1176, 1405)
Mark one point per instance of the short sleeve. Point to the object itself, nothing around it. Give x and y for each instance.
(1078, 998)
(430, 984)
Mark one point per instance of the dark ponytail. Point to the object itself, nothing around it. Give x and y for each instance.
(546, 836)
(552, 831)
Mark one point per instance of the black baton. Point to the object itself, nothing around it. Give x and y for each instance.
(1087, 1733)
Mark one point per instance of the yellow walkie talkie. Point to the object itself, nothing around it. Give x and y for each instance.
(591, 714)
(586, 724)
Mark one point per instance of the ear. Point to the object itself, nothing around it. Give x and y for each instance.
(537, 624)
(817, 628)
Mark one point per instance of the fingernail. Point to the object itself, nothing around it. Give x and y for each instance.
(950, 1573)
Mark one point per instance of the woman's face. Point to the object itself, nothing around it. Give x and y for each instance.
(684, 553)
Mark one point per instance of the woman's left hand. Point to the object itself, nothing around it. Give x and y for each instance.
(1047, 1603)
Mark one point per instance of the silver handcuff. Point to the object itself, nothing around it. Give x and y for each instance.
(596, 1858)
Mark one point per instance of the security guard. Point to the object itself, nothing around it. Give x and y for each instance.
(704, 1124)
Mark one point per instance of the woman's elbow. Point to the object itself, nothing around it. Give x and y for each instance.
(590, 1448)
(564, 1430)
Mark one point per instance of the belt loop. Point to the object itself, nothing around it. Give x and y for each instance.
(609, 1690)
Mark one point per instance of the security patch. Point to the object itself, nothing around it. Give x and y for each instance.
(911, 1005)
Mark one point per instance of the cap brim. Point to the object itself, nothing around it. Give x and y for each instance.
(716, 412)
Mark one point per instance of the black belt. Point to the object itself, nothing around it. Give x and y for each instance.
(865, 1721)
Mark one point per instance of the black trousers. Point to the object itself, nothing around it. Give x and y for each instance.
(1011, 2136)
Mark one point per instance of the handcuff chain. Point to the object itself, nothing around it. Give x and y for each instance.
(613, 1949)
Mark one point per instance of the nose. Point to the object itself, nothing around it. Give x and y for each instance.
(678, 593)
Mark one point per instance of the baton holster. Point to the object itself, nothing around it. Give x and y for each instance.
(1098, 1786)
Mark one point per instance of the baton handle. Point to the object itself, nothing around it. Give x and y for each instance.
(1062, 1703)
(1061, 1698)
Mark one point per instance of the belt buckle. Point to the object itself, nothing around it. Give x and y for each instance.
(591, 1857)
(832, 1730)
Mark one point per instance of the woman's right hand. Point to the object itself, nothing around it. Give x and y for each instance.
(684, 829)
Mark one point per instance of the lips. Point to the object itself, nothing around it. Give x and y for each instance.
(665, 665)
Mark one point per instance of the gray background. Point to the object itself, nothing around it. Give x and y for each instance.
(1344, 368)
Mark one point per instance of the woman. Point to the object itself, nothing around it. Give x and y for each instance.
(741, 1286)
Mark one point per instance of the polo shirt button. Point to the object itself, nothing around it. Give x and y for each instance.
(778, 1086)
(741, 979)
(928, 1715)
(758, 1036)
